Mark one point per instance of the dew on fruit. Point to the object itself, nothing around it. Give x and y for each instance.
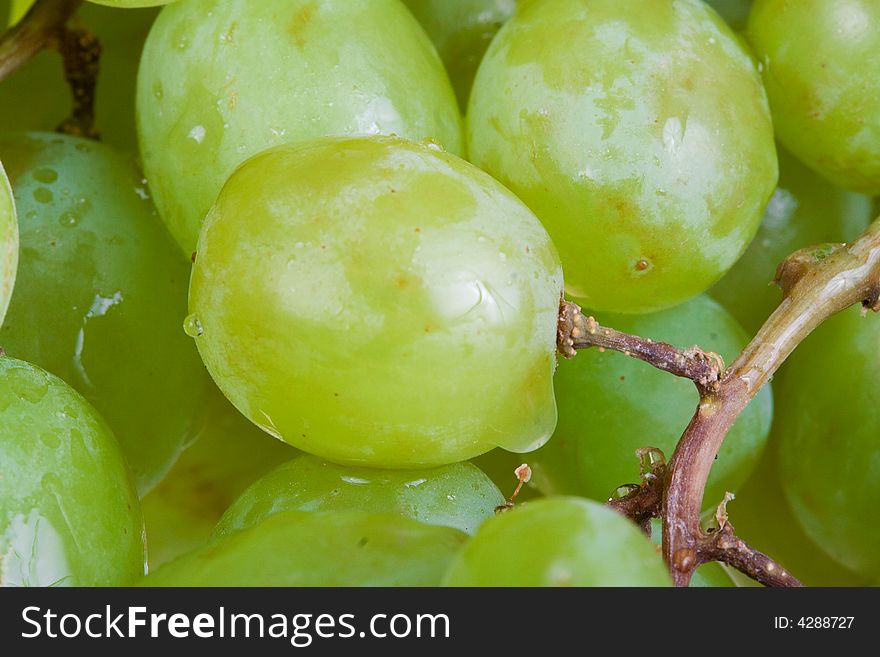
(197, 134)
(43, 195)
(45, 175)
(192, 326)
(415, 483)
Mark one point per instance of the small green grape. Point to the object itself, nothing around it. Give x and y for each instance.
(8, 243)
(334, 276)
(221, 81)
(820, 62)
(69, 514)
(101, 294)
(461, 31)
(829, 454)
(610, 405)
(638, 132)
(229, 455)
(340, 548)
(457, 495)
(804, 210)
(560, 541)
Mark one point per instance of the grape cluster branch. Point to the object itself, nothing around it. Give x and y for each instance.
(48, 25)
(817, 283)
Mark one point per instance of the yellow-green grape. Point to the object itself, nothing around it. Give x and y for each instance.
(8, 243)
(339, 548)
(229, 454)
(221, 81)
(560, 541)
(101, 294)
(333, 276)
(639, 134)
(829, 423)
(69, 514)
(820, 62)
(457, 495)
(735, 12)
(804, 210)
(36, 97)
(461, 31)
(610, 405)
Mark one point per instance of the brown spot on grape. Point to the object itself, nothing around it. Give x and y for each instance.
(300, 23)
(642, 265)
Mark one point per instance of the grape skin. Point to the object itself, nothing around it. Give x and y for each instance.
(337, 275)
(100, 294)
(69, 514)
(220, 82)
(8, 243)
(605, 118)
(458, 495)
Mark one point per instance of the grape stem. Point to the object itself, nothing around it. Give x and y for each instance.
(48, 25)
(816, 282)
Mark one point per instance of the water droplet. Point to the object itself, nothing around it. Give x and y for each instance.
(415, 483)
(432, 144)
(357, 481)
(45, 175)
(43, 195)
(69, 219)
(28, 384)
(197, 134)
(623, 491)
(192, 326)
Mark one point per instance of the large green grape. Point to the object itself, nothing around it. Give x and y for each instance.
(8, 243)
(610, 405)
(561, 541)
(101, 294)
(820, 63)
(457, 495)
(829, 424)
(804, 210)
(462, 30)
(37, 97)
(69, 514)
(378, 302)
(339, 548)
(735, 12)
(639, 134)
(229, 454)
(221, 81)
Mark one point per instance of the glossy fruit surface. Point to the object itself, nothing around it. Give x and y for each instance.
(829, 455)
(563, 541)
(296, 548)
(377, 302)
(8, 243)
(457, 495)
(69, 514)
(820, 61)
(101, 294)
(606, 119)
(221, 81)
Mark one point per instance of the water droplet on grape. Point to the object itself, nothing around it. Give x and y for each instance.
(192, 326)
(45, 175)
(197, 134)
(357, 481)
(43, 195)
(68, 219)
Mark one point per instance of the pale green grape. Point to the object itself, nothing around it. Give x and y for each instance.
(221, 81)
(101, 293)
(735, 12)
(229, 454)
(804, 210)
(829, 423)
(461, 31)
(560, 541)
(8, 243)
(820, 62)
(377, 302)
(639, 134)
(611, 404)
(457, 495)
(129, 4)
(340, 548)
(69, 514)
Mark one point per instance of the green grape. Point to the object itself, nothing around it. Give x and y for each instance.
(101, 293)
(69, 514)
(8, 243)
(764, 519)
(639, 134)
(462, 30)
(560, 541)
(735, 12)
(457, 495)
(37, 97)
(129, 4)
(229, 454)
(804, 210)
(610, 405)
(820, 61)
(221, 81)
(829, 424)
(340, 548)
(334, 276)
